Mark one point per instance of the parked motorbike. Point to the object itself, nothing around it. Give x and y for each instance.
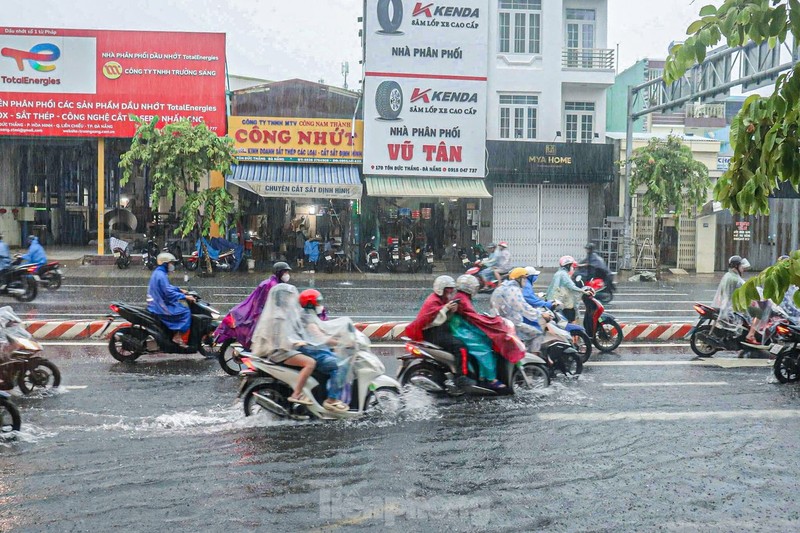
(121, 251)
(407, 259)
(373, 258)
(425, 259)
(705, 339)
(50, 275)
(189, 262)
(393, 257)
(266, 386)
(464, 259)
(150, 253)
(25, 368)
(148, 334)
(10, 419)
(433, 370)
(602, 327)
(224, 262)
(17, 281)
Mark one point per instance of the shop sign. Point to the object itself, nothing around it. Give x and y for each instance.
(284, 190)
(425, 88)
(723, 162)
(86, 83)
(557, 162)
(297, 140)
(742, 231)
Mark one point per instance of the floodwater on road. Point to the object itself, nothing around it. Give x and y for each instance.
(164, 444)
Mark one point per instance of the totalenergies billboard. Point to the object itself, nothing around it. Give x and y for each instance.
(86, 83)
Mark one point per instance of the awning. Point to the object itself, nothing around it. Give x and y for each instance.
(407, 186)
(298, 181)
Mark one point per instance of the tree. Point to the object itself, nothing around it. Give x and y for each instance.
(764, 134)
(673, 181)
(178, 157)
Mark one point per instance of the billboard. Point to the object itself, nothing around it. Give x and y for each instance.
(297, 140)
(85, 83)
(425, 87)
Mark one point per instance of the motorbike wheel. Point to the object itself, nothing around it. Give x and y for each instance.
(191, 266)
(537, 374)
(424, 370)
(54, 281)
(699, 344)
(384, 401)
(151, 264)
(785, 368)
(583, 345)
(209, 351)
(228, 359)
(573, 364)
(9, 417)
(272, 391)
(117, 348)
(43, 376)
(605, 297)
(31, 290)
(608, 336)
(122, 264)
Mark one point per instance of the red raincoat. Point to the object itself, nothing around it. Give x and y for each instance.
(494, 327)
(430, 308)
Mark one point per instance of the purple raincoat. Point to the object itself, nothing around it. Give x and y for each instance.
(242, 319)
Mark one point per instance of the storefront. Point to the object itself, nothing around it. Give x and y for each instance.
(546, 197)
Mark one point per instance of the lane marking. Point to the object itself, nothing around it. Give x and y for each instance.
(74, 387)
(646, 363)
(667, 384)
(647, 416)
(73, 343)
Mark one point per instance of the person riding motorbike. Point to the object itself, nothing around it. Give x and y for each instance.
(168, 302)
(595, 267)
(35, 253)
(787, 304)
(242, 319)
(563, 289)
(498, 263)
(431, 325)
(528, 292)
(508, 302)
(723, 299)
(5, 254)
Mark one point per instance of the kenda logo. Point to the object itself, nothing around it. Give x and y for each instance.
(38, 54)
(431, 10)
(428, 96)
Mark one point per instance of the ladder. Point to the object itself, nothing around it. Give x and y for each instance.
(646, 259)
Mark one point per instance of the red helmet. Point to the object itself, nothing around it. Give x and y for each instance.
(310, 298)
(502, 244)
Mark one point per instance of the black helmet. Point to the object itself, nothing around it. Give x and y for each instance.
(734, 261)
(589, 247)
(280, 266)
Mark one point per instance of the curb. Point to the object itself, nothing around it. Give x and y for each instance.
(376, 331)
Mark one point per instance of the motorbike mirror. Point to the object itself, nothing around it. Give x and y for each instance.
(186, 278)
(578, 278)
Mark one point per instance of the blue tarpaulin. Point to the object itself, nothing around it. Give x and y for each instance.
(218, 245)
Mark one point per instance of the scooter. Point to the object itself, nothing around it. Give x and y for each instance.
(50, 275)
(425, 259)
(9, 414)
(433, 370)
(121, 252)
(189, 262)
(706, 339)
(25, 368)
(603, 291)
(602, 327)
(558, 351)
(485, 286)
(148, 334)
(17, 281)
(393, 257)
(373, 258)
(266, 386)
(786, 367)
(150, 254)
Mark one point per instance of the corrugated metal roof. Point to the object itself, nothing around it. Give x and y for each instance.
(296, 174)
(407, 186)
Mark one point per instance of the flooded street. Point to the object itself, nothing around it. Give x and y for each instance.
(641, 441)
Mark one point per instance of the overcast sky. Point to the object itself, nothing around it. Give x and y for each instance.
(280, 39)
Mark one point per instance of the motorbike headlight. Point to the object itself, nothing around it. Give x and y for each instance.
(215, 315)
(28, 344)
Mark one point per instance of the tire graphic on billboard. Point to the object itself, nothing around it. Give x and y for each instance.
(390, 22)
(389, 100)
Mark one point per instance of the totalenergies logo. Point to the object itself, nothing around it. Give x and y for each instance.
(43, 52)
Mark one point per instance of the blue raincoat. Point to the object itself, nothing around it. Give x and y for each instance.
(167, 302)
(532, 298)
(35, 253)
(312, 250)
(5, 256)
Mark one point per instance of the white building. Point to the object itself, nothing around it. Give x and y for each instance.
(549, 68)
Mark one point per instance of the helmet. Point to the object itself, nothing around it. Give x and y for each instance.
(441, 283)
(165, 257)
(491, 245)
(280, 266)
(310, 298)
(734, 261)
(502, 244)
(781, 258)
(745, 264)
(589, 246)
(31, 238)
(518, 272)
(532, 273)
(565, 261)
(468, 284)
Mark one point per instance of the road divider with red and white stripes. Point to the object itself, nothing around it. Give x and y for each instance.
(74, 330)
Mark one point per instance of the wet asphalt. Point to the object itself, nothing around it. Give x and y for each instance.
(642, 441)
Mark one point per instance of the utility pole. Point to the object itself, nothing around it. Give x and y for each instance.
(627, 237)
(345, 72)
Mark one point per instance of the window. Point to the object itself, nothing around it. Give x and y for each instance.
(579, 121)
(580, 37)
(520, 26)
(518, 116)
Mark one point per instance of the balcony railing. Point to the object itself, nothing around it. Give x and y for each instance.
(588, 58)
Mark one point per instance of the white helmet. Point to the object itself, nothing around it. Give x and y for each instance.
(165, 257)
(441, 283)
(468, 284)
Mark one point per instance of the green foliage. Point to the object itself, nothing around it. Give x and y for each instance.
(178, 157)
(672, 177)
(774, 281)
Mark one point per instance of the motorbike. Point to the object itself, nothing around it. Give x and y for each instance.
(121, 251)
(10, 419)
(425, 259)
(148, 334)
(224, 262)
(433, 370)
(408, 261)
(464, 259)
(50, 275)
(393, 257)
(603, 291)
(150, 254)
(705, 339)
(601, 327)
(485, 286)
(786, 367)
(266, 386)
(18, 281)
(581, 340)
(373, 258)
(190, 262)
(25, 368)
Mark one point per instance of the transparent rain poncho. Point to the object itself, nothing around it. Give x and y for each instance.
(723, 298)
(280, 328)
(10, 324)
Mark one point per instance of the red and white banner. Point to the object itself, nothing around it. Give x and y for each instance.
(86, 83)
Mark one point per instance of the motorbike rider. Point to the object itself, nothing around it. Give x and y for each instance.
(242, 319)
(787, 304)
(563, 289)
(528, 292)
(167, 301)
(5, 254)
(498, 262)
(723, 299)
(35, 253)
(508, 302)
(431, 325)
(595, 266)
